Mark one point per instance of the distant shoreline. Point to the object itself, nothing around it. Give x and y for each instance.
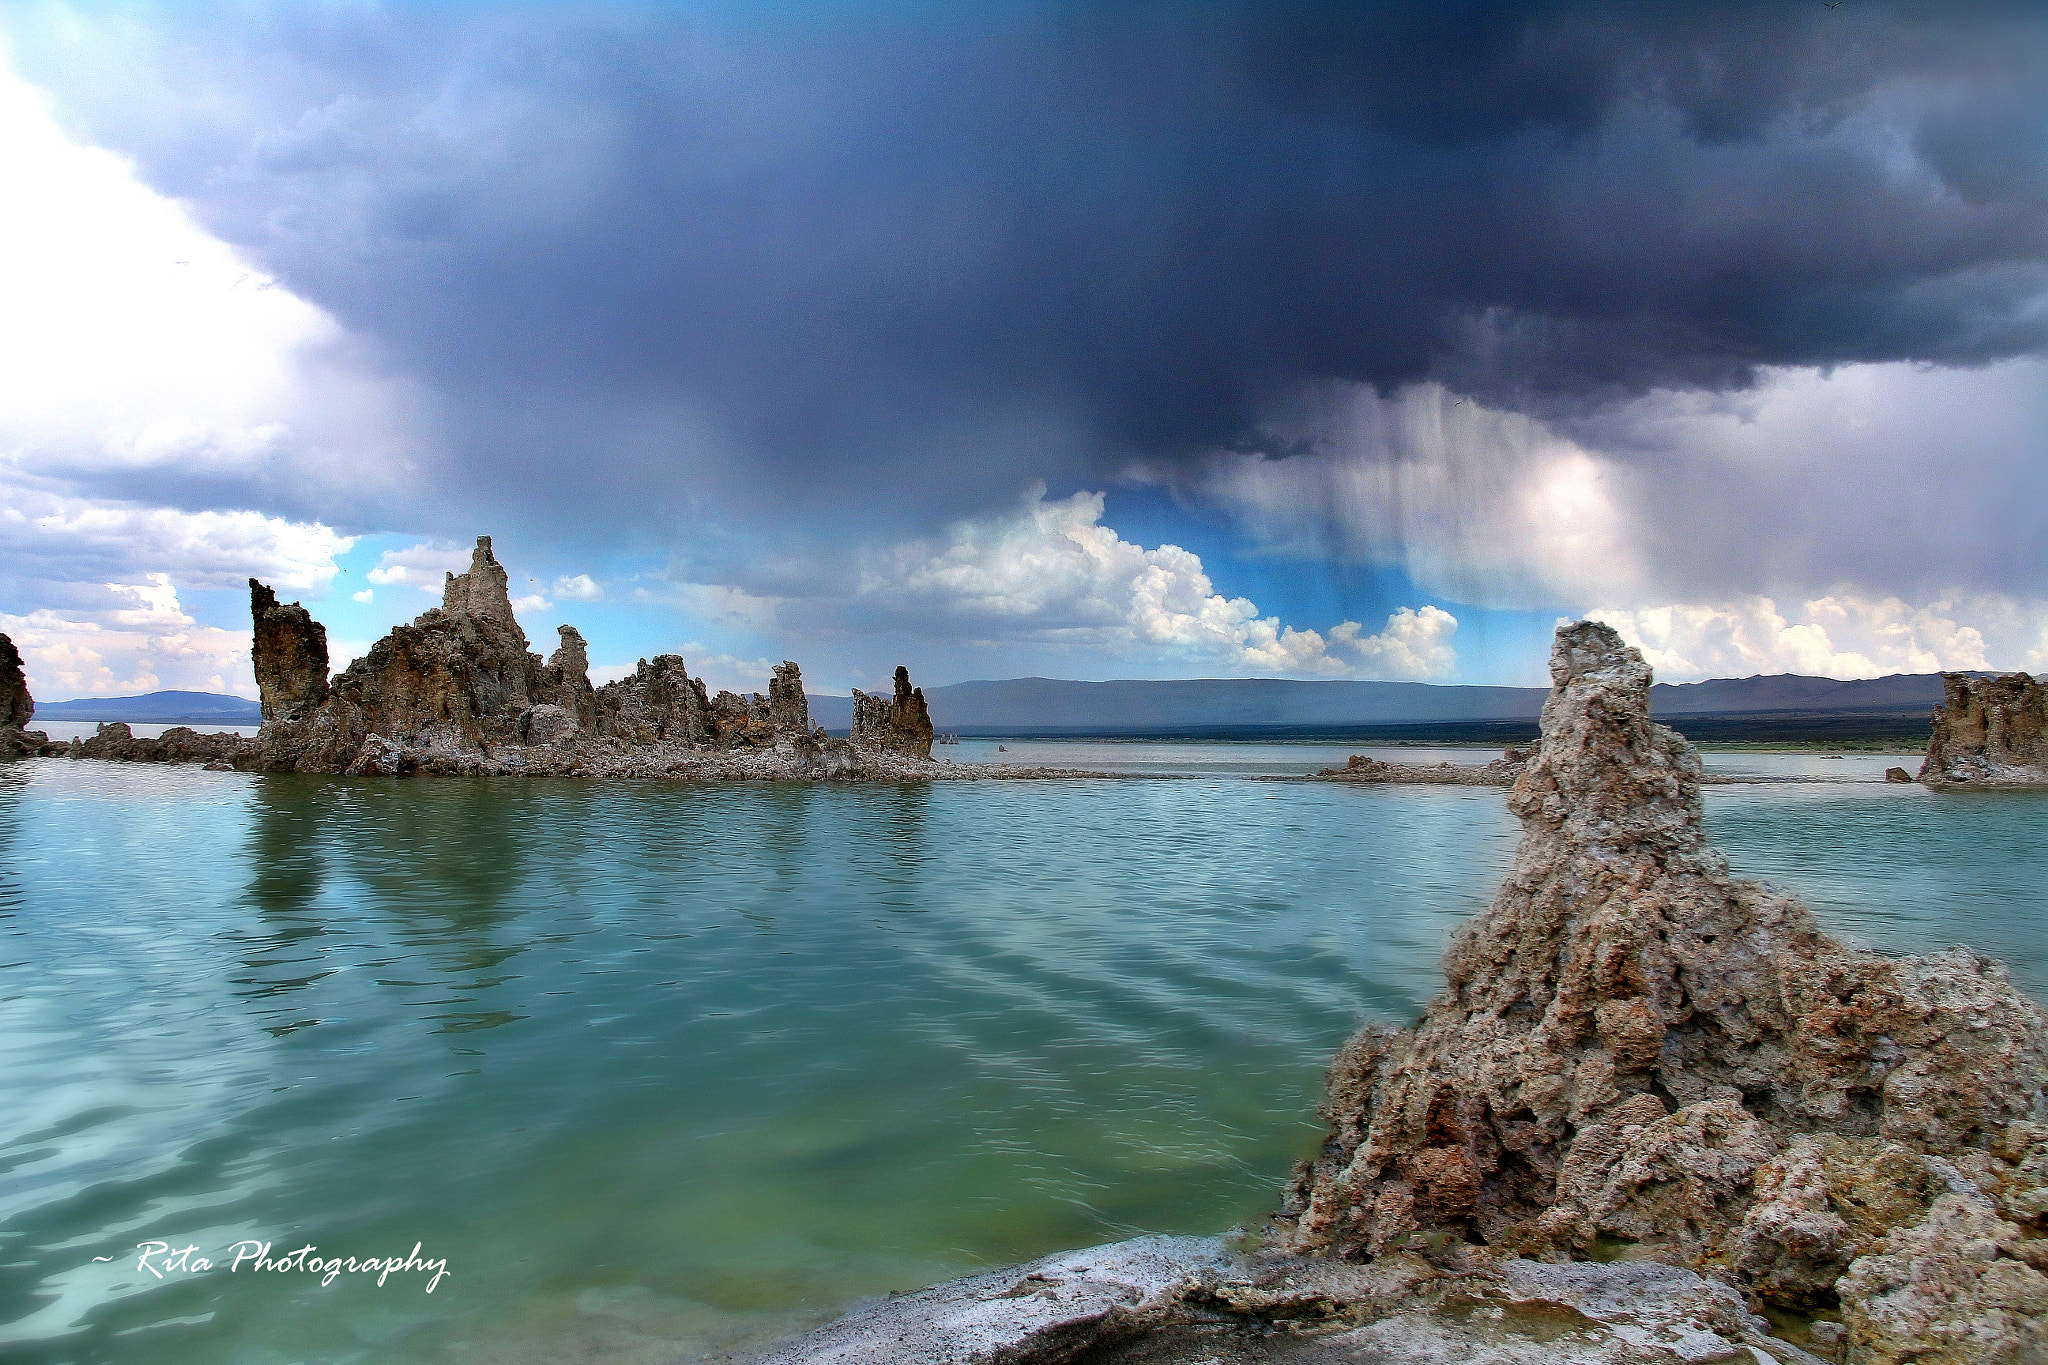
(1402, 737)
(1800, 733)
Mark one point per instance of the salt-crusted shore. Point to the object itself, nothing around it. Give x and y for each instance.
(1652, 1104)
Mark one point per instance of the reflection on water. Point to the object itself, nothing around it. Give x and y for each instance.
(666, 1070)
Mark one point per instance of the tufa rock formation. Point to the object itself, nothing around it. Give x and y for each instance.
(179, 744)
(660, 703)
(1989, 732)
(17, 707)
(898, 726)
(290, 654)
(1637, 1056)
(458, 690)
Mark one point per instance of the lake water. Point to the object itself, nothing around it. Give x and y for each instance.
(665, 1070)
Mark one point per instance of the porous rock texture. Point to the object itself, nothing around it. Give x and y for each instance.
(458, 691)
(896, 725)
(17, 707)
(179, 744)
(1989, 732)
(290, 655)
(1638, 1056)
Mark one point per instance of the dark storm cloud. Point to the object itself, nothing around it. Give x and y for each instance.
(872, 266)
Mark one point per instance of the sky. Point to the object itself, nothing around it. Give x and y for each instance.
(1081, 340)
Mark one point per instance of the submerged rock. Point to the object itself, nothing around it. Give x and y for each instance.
(1500, 772)
(1638, 1056)
(1989, 732)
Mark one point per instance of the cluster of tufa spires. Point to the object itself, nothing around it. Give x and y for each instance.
(459, 688)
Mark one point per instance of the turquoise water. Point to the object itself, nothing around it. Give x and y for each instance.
(663, 1071)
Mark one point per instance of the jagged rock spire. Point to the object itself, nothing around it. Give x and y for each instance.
(17, 707)
(482, 593)
(900, 725)
(1629, 1038)
(289, 652)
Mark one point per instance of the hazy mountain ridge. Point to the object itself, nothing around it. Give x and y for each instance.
(156, 708)
(1127, 704)
(1046, 704)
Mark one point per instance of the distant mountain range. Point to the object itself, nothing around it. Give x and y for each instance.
(156, 708)
(1045, 706)
(1196, 706)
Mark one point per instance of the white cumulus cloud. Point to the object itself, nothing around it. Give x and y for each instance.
(72, 539)
(141, 640)
(1053, 573)
(425, 566)
(578, 588)
(1416, 644)
(1842, 635)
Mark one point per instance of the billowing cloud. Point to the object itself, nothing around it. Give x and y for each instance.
(578, 588)
(1547, 305)
(48, 538)
(170, 419)
(145, 360)
(1842, 635)
(1415, 646)
(1053, 574)
(866, 278)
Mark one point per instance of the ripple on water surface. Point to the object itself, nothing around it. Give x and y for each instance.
(663, 1068)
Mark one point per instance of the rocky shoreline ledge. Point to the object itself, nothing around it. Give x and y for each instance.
(1652, 1105)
